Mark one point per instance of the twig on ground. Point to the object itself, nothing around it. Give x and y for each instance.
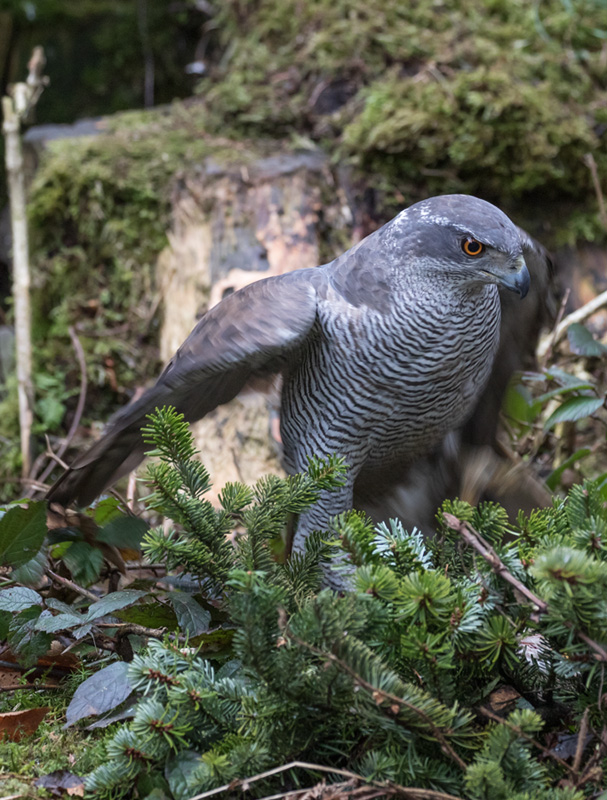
(387, 787)
(591, 164)
(79, 408)
(581, 740)
(132, 627)
(548, 343)
(49, 454)
(124, 501)
(31, 687)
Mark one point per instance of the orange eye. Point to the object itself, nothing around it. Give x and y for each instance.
(472, 247)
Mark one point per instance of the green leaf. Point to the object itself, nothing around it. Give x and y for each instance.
(18, 599)
(28, 643)
(5, 620)
(519, 405)
(124, 531)
(574, 409)
(151, 615)
(564, 378)
(51, 411)
(552, 481)
(215, 644)
(563, 390)
(32, 571)
(112, 602)
(178, 770)
(106, 510)
(22, 531)
(192, 618)
(84, 562)
(60, 622)
(583, 343)
(101, 692)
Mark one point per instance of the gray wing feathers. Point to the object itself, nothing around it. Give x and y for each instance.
(250, 332)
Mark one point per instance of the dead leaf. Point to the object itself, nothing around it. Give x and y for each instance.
(10, 678)
(503, 700)
(62, 781)
(15, 724)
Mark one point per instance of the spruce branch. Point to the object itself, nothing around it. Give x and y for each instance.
(475, 540)
(381, 695)
(546, 751)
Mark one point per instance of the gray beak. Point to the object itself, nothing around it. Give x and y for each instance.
(517, 281)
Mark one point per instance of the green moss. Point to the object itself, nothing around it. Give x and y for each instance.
(99, 212)
(501, 100)
(51, 747)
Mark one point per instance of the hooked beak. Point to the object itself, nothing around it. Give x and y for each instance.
(516, 281)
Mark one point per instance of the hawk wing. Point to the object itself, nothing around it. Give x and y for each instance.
(250, 332)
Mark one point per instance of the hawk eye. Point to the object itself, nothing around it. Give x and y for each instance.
(472, 247)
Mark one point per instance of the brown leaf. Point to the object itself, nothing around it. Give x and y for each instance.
(15, 724)
(503, 700)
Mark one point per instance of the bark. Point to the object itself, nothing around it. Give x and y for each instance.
(21, 276)
(231, 226)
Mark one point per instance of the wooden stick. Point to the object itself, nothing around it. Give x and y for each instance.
(394, 789)
(16, 108)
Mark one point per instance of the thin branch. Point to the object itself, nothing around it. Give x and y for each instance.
(79, 409)
(375, 692)
(581, 740)
(519, 732)
(386, 786)
(591, 164)
(548, 343)
(474, 538)
(51, 454)
(579, 315)
(132, 627)
(71, 585)
(467, 532)
(33, 687)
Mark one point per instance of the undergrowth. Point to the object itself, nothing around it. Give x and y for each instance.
(472, 664)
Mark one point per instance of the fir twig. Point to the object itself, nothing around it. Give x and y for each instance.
(468, 534)
(473, 537)
(384, 695)
(546, 751)
(393, 789)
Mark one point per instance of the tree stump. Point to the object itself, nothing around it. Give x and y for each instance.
(233, 225)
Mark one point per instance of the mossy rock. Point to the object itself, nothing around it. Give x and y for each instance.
(501, 99)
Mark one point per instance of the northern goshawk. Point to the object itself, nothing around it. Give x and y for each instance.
(382, 351)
